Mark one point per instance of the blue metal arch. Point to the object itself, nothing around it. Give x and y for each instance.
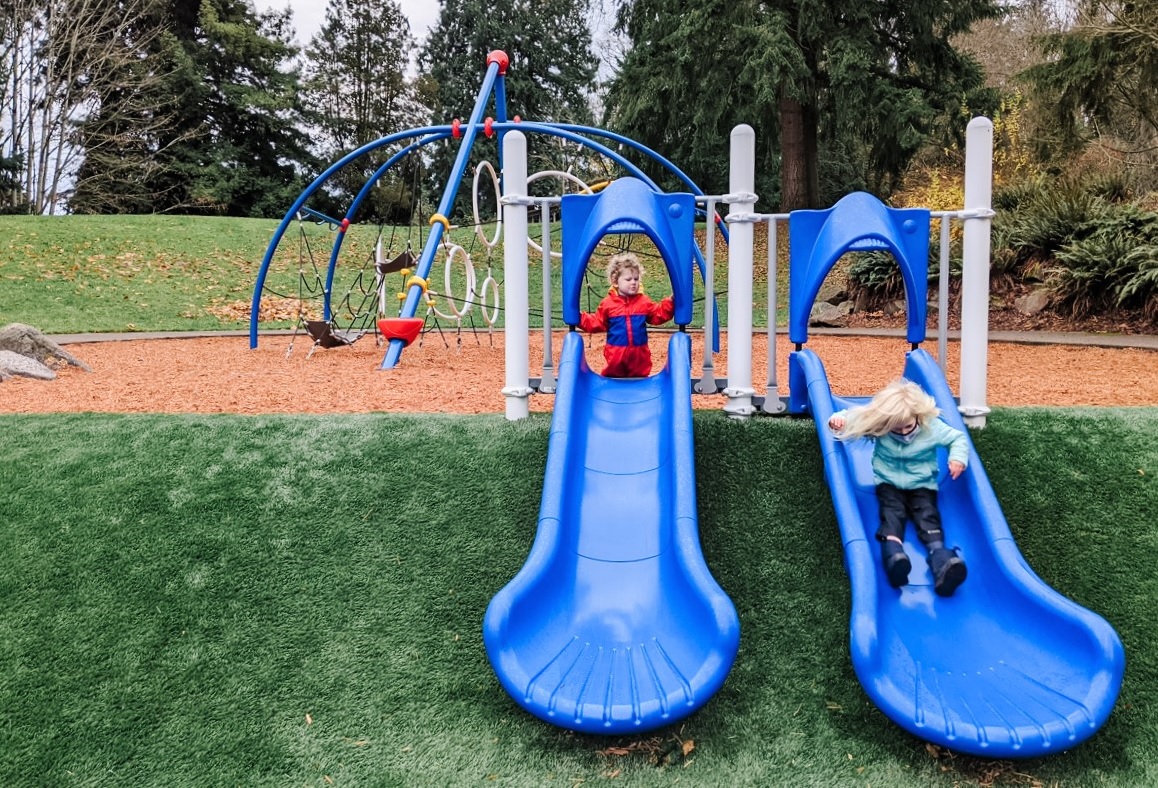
(571, 132)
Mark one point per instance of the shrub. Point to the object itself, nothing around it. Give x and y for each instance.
(1114, 267)
(875, 277)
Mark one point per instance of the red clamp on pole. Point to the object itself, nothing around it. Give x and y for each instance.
(345, 225)
(456, 128)
(500, 57)
(488, 127)
(517, 119)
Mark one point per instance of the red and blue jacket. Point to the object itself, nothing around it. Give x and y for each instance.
(625, 319)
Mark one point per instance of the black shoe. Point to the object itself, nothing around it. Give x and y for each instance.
(950, 574)
(897, 566)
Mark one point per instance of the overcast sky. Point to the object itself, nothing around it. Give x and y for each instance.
(423, 14)
(309, 15)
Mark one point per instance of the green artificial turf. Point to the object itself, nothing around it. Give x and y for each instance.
(282, 600)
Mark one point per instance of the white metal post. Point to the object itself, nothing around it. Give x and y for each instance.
(547, 381)
(742, 200)
(975, 275)
(943, 296)
(707, 381)
(515, 277)
(772, 403)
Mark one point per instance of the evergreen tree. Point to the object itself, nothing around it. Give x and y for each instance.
(552, 67)
(857, 87)
(237, 145)
(357, 91)
(1100, 78)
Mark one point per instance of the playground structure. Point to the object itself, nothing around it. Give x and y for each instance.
(615, 624)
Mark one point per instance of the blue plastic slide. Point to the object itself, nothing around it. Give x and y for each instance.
(1006, 667)
(615, 624)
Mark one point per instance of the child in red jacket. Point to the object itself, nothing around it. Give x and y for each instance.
(625, 314)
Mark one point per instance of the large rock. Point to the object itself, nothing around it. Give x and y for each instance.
(34, 344)
(825, 315)
(15, 364)
(1033, 303)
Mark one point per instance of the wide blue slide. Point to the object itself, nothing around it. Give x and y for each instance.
(615, 624)
(1007, 666)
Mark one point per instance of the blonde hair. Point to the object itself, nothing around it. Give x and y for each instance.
(620, 262)
(891, 408)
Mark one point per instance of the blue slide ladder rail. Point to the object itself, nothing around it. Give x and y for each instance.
(615, 624)
(1007, 667)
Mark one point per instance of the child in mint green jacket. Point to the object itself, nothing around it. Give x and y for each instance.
(902, 422)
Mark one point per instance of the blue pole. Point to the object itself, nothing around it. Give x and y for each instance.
(410, 306)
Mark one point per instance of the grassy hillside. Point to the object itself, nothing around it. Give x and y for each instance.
(71, 274)
(67, 274)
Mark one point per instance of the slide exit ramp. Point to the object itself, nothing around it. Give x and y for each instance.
(1007, 666)
(615, 624)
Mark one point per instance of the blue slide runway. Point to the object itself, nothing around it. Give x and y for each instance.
(1006, 667)
(615, 624)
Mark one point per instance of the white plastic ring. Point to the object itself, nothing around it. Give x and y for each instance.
(565, 176)
(452, 250)
(490, 243)
(493, 286)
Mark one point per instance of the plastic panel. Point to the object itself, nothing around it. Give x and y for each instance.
(628, 205)
(858, 222)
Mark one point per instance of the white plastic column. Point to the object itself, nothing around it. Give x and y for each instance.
(742, 184)
(975, 275)
(515, 278)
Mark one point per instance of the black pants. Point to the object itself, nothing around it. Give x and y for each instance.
(919, 505)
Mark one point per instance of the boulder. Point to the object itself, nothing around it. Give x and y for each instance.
(34, 344)
(825, 315)
(1032, 303)
(12, 363)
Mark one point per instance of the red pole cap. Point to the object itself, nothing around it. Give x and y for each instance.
(518, 119)
(500, 57)
(456, 128)
(488, 127)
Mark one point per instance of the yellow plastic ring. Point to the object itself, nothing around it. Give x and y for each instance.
(416, 280)
(438, 218)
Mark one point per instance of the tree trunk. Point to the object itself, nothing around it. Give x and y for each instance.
(799, 179)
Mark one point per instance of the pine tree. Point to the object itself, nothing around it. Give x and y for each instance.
(238, 145)
(357, 91)
(858, 88)
(552, 68)
(551, 73)
(1099, 78)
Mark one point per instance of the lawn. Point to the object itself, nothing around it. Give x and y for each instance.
(284, 600)
(74, 274)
